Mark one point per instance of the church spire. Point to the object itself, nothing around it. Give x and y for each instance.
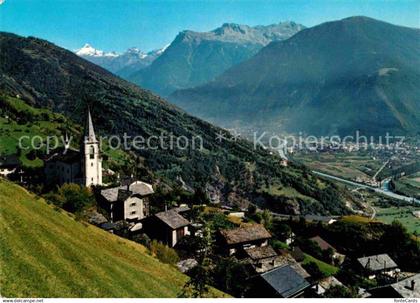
(89, 131)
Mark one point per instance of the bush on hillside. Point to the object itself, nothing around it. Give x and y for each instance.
(164, 253)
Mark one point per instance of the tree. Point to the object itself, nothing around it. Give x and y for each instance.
(281, 230)
(339, 291)
(231, 276)
(200, 275)
(313, 269)
(72, 197)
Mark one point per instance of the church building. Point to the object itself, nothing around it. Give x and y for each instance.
(82, 167)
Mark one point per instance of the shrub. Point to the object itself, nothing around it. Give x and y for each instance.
(164, 253)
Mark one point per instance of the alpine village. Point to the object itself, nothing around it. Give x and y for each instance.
(81, 218)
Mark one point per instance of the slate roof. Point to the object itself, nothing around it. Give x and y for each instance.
(172, 219)
(258, 253)
(245, 234)
(68, 156)
(285, 281)
(136, 188)
(404, 287)
(286, 259)
(377, 262)
(322, 243)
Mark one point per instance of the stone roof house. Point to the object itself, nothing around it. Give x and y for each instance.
(324, 245)
(376, 264)
(167, 226)
(126, 202)
(280, 282)
(407, 288)
(238, 239)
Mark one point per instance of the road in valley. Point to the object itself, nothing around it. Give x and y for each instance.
(384, 190)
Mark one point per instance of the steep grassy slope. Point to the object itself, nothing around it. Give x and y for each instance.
(47, 76)
(46, 253)
(335, 78)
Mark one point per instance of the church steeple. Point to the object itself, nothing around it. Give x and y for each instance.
(92, 162)
(89, 130)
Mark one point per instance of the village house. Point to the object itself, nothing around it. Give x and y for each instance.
(326, 283)
(235, 241)
(378, 265)
(324, 245)
(167, 226)
(265, 258)
(407, 288)
(261, 258)
(126, 202)
(73, 166)
(280, 282)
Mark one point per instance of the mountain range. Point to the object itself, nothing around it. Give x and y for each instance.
(231, 169)
(195, 58)
(335, 78)
(124, 64)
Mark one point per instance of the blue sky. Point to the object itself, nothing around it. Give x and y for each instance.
(149, 24)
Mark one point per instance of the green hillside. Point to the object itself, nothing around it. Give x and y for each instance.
(46, 253)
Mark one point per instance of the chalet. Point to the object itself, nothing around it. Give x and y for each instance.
(265, 258)
(167, 226)
(261, 258)
(407, 288)
(326, 283)
(280, 282)
(377, 264)
(126, 202)
(236, 240)
(324, 245)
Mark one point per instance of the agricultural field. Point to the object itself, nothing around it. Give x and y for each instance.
(345, 165)
(403, 214)
(409, 185)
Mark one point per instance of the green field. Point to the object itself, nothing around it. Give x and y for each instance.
(345, 165)
(402, 214)
(46, 253)
(409, 185)
(20, 120)
(325, 268)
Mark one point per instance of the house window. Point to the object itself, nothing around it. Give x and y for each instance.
(133, 204)
(92, 152)
(133, 212)
(91, 164)
(91, 179)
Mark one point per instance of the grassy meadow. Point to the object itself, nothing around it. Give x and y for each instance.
(45, 252)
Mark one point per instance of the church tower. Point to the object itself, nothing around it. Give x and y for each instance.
(91, 158)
